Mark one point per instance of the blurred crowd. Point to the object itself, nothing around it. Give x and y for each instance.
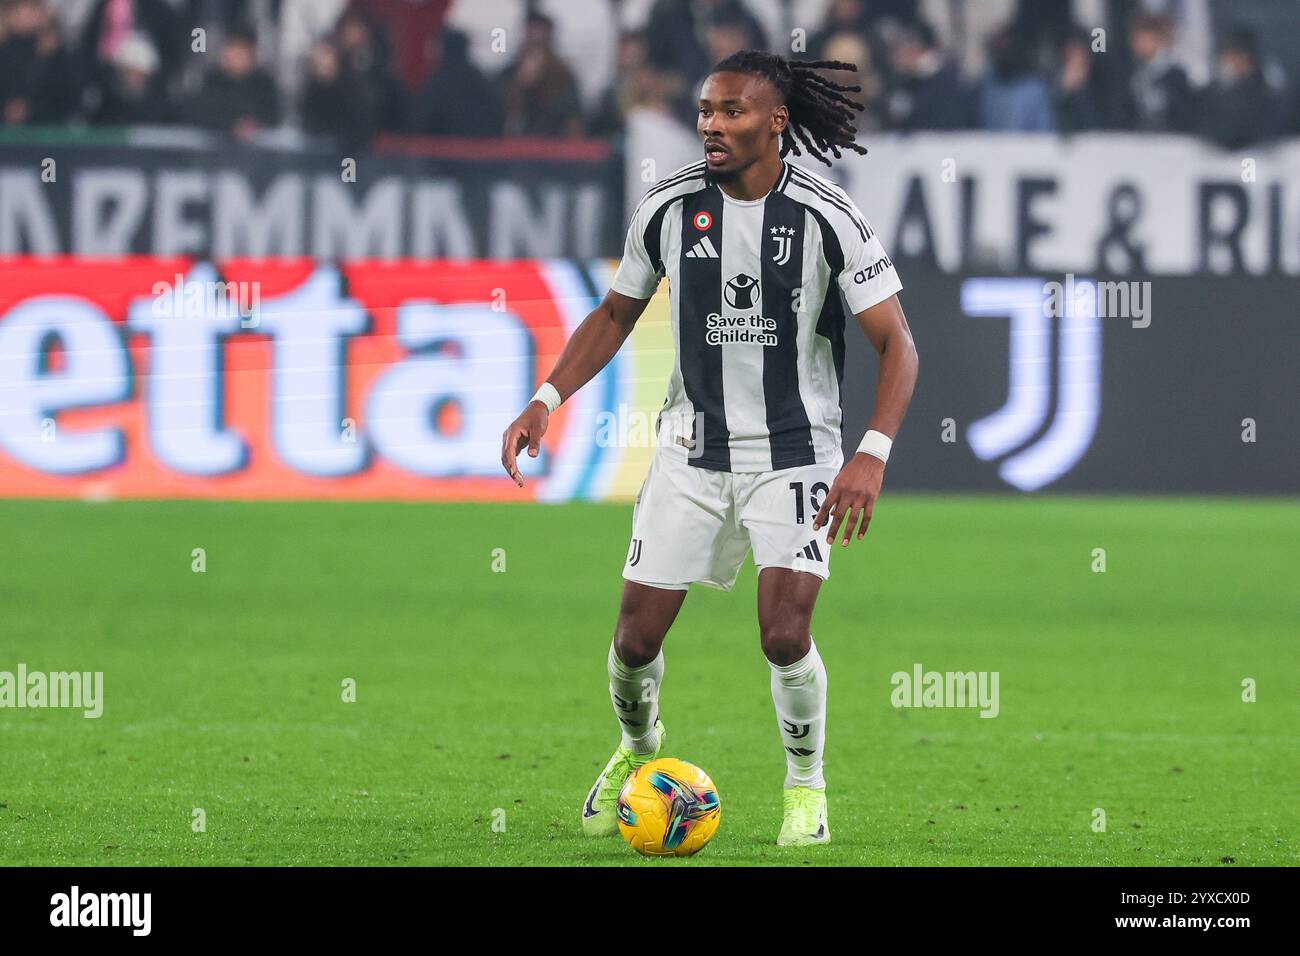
(347, 70)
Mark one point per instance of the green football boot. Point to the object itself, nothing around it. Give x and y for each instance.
(805, 817)
(600, 812)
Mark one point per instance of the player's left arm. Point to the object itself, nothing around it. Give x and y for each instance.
(853, 496)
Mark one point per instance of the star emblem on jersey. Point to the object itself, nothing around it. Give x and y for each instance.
(741, 291)
(702, 250)
(703, 221)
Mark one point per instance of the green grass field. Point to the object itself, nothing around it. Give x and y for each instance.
(481, 696)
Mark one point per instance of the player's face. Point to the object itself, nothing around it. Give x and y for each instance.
(740, 120)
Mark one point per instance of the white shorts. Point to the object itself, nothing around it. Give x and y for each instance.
(695, 526)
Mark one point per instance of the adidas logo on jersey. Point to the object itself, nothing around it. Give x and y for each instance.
(702, 250)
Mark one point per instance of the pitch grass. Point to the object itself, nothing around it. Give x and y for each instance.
(481, 696)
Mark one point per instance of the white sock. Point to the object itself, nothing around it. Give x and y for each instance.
(799, 692)
(634, 692)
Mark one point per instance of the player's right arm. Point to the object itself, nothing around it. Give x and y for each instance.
(594, 343)
(591, 347)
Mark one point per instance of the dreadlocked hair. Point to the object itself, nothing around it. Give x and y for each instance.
(821, 116)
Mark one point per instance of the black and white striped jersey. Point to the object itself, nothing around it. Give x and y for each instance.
(757, 316)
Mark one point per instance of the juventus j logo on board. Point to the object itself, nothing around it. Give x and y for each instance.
(741, 291)
(1035, 451)
(782, 236)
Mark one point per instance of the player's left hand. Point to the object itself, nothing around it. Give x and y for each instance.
(853, 496)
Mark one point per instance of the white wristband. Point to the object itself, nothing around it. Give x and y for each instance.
(548, 396)
(876, 444)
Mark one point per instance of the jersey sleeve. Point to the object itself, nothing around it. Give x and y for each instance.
(868, 276)
(637, 276)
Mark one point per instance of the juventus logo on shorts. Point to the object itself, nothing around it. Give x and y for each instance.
(635, 554)
(782, 236)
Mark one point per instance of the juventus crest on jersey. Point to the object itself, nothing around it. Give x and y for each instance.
(757, 316)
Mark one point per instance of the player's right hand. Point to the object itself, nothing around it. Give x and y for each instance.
(525, 431)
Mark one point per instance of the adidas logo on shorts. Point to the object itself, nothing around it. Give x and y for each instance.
(810, 551)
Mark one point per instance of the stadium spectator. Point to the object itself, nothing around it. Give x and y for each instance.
(902, 12)
(857, 17)
(657, 93)
(1080, 91)
(930, 93)
(410, 25)
(133, 93)
(672, 44)
(111, 22)
(676, 34)
(1158, 97)
(457, 99)
(1193, 34)
(238, 97)
(842, 16)
(336, 105)
(1039, 29)
(723, 36)
(727, 28)
(301, 24)
(1238, 109)
(130, 60)
(1013, 98)
(366, 60)
(540, 93)
(610, 112)
(37, 77)
(855, 48)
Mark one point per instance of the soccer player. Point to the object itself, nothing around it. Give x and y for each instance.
(760, 254)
